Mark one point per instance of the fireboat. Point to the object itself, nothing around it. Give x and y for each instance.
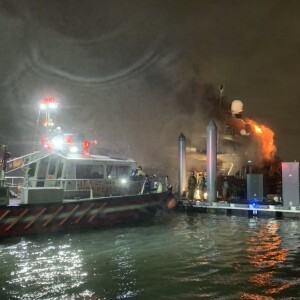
(62, 187)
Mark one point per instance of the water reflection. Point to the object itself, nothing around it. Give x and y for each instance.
(43, 272)
(265, 253)
(124, 271)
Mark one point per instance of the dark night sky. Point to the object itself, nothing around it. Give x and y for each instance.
(134, 74)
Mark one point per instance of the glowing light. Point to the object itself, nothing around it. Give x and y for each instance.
(57, 143)
(74, 149)
(52, 105)
(49, 99)
(48, 102)
(48, 123)
(85, 147)
(43, 106)
(69, 139)
(123, 181)
(48, 147)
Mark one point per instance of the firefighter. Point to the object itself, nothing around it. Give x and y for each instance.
(154, 183)
(147, 185)
(201, 185)
(140, 172)
(225, 187)
(192, 183)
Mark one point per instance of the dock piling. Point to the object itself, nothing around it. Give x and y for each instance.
(211, 163)
(181, 164)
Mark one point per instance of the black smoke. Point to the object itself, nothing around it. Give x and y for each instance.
(131, 74)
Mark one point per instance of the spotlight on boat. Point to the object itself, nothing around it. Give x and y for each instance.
(43, 106)
(52, 105)
(57, 143)
(123, 181)
(74, 149)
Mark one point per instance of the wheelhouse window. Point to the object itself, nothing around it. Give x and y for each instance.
(52, 167)
(42, 171)
(60, 168)
(97, 172)
(43, 168)
(111, 171)
(117, 171)
(32, 168)
(122, 171)
(89, 171)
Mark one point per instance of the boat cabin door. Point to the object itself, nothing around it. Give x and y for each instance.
(54, 172)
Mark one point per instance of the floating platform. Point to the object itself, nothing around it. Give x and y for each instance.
(252, 210)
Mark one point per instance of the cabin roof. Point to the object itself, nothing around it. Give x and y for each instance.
(96, 158)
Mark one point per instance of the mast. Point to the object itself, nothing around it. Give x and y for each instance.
(47, 111)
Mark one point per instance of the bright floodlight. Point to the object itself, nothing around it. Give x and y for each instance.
(57, 143)
(52, 105)
(74, 149)
(48, 102)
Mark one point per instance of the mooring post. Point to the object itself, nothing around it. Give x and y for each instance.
(211, 163)
(181, 165)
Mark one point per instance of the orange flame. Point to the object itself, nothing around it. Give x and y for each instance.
(258, 129)
(266, 136)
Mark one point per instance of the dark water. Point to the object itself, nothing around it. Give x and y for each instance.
(176, 256)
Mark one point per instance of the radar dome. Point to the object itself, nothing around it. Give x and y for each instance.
(237, 107)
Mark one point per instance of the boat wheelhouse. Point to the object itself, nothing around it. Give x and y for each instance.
(79, 176)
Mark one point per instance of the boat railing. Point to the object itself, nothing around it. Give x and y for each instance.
(14, 183)
(94, 187)
(87, 188)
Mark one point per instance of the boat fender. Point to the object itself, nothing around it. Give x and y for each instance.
(171, 202)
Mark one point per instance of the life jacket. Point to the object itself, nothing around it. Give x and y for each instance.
(192, 181)
(201, 182)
